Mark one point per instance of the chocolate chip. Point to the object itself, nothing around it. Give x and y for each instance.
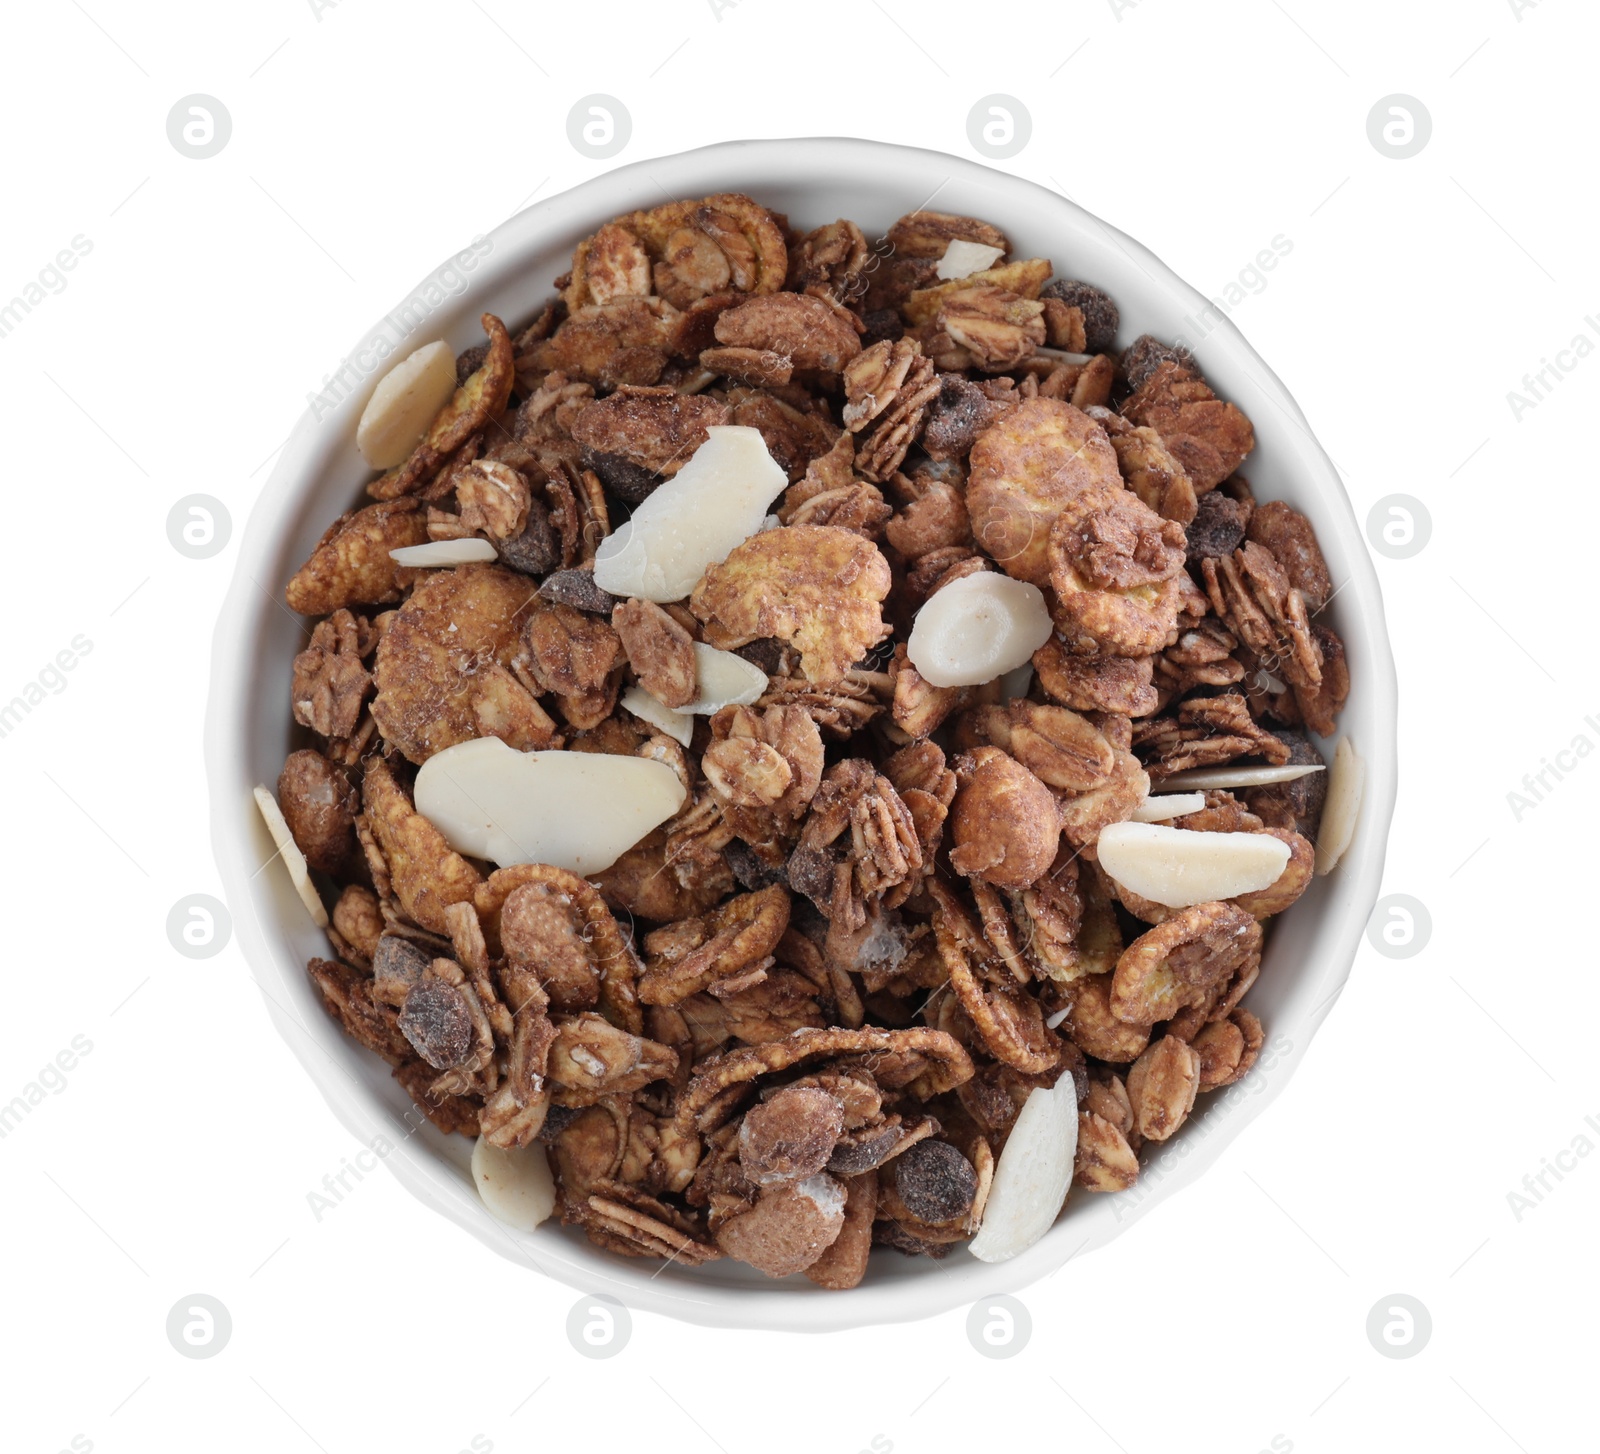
(955, 417)
(767, 652)
(881, 323)
(535, 550)
(556, 1120)
(1217, 528)
(750, 871)
(935, 1181)
(469, 361)
(1100, 315)
(437, 1023)
(889, 1233)
(1142, 356)
(631, 483)
(866, 1149)
(810, 872)
(397, 964)
(577, 588)
(1304, 796)
(789, 1136)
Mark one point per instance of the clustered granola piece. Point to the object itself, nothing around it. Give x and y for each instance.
(801, 1018)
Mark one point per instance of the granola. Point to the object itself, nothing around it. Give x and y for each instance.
(875, 917)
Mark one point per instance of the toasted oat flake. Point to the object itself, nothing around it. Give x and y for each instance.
(575, 810)
(293, 859)
(1347, 782)
(436, 553)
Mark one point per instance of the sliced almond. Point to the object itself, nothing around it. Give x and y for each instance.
(1169, 805)
(516, 1186)
(652, 709)
(1347, 782)
(962, 258)
(444, 552)
(293, 859)
(976, 629)
(404, 404)
(718, 500)
(723, 679)
(1032, 1175)
(1177, 867)
(1213, 779)
(580, 811)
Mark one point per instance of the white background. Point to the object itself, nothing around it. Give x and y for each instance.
(370, 141)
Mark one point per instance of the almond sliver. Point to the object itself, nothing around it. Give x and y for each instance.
(650, 708)
(713, 504)
(1217, 778)
(404, 404)
(516, 1186)
(1169, 805)
(580, 811)
(963, 258)
(1346, 783)
(1177, 867)
(1033, 1174)
(444, 552)
(724, 679)
(293, 859)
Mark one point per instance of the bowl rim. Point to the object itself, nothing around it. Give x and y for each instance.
(415, 1158)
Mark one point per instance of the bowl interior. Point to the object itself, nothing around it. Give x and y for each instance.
(320, 474)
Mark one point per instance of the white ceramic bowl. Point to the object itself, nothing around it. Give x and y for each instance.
(320, 474)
